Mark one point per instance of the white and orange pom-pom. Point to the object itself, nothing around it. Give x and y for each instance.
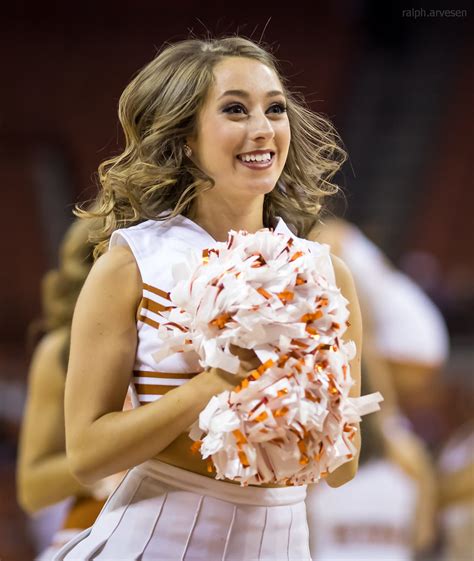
(292, 420)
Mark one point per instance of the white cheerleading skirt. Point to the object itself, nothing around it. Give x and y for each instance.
(163, 513)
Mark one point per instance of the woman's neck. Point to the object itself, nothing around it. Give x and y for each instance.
(217, 217)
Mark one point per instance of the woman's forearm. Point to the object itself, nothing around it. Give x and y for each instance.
(47, 482)
(122, 439)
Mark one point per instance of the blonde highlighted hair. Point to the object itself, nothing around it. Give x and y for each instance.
(158, 111)
(61, 286)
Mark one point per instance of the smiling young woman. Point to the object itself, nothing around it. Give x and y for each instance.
(214, 141)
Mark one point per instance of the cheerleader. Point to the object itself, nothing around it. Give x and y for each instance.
(215, 142)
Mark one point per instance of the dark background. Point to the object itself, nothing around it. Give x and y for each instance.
(399, 88)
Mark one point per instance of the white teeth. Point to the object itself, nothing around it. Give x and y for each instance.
(256, 157)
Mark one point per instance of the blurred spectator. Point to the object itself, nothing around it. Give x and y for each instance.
(376, 515)
(404, 332)
(456, 494)
(405, 342)
(43, 476)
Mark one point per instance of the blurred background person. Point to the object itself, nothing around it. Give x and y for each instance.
(43, 475)
(405, 345)
(456, 494)
(406, 342)
(380, 513)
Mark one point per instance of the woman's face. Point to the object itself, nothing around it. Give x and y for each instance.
(243, 133)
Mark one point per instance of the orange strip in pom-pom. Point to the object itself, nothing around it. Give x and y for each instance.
(254, 375)
(299, 280)
(304, 459)
(335, 325)
(332, 389)
(210, 466)
(262, 417)
(280, 412)
(265, 366)
(282, 392)
(312, 317)
(239, 437)
(311, 330)
(286, 296)
(196, 446)
(296, 255)
(220, 321)
(302, 446)
(244, 384)
(299, 343)
(243, 458)
(264, 293)
(282, 361)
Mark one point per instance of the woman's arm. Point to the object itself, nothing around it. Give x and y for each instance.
(43, 474)
(101, 438)
(344, 281)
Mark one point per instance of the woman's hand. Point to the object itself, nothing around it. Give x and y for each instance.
(248, 362)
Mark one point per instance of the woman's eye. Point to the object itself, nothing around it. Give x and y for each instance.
(235, 109)
(277, 108)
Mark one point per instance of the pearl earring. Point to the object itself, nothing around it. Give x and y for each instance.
(187, 151)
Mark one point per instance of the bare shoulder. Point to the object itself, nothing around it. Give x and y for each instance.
(47, 372)
(51, 345)
(342, 273)
(115, 272)
(117, 261)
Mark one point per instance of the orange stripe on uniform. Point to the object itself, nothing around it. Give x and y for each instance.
(153, 306)
(157, 291)
(167, 375)
(148, 321)
(152, 389)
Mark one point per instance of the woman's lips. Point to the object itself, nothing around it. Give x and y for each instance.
(257, 165)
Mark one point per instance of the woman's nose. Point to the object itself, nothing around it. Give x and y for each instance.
(262, 127)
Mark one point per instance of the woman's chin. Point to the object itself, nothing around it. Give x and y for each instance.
(260, 188)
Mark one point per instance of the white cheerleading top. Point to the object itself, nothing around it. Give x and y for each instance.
(157, 246)
(370, 518)
(408, 327)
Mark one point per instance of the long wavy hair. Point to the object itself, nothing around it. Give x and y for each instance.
(153, 179)
(60, 287)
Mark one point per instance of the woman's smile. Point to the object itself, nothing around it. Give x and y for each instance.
(257, 160)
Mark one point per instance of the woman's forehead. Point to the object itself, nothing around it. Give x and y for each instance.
(245, 75)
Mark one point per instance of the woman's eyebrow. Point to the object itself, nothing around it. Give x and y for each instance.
(243, 93)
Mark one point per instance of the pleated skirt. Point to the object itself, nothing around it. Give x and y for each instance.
(163, 513)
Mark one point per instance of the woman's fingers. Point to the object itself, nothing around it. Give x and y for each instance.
(243, 354)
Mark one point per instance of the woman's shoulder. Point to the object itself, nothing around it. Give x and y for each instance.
(341, 270)
(52, 343)
(115, 272)
(46, 361)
